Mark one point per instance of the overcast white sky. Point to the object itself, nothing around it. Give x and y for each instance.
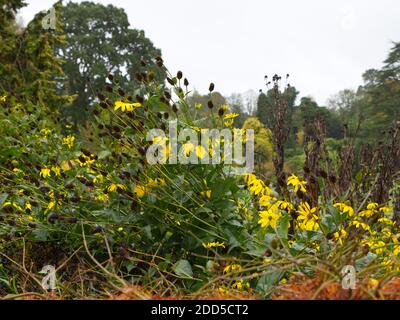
(325, 46)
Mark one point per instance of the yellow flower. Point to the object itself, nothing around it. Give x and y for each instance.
(201, 152)
(45, 172)
(297, 183)
(139, 190)
(306, 211)
(69, 141)
(229, 118)
(56, 171)
(28, 206)
(187, 148)
(249, 177)
(51, 204)
(378, 247)
(359, 224)
(307, 219)
(222, 290)
(120, 229)
(165, 146)
(268, 218)
(385, 209)
(232, 267)
(102, 197)
(198, 106)
(45, 131)
(155, 182)
(367, 213)
(67, 165)
(231, 115)
(210, 245)
(265, 200)
(344, 208)
(206, 194)
(239, 285)
(115, 187)
(340, 235)
(284, 205)
(3, 98)
(126, 106)
(396, 250)
(267, 260)
(386, 221)
(84, 160)
(386, 232)
(256, 186)
(15, 205)
(372, 206)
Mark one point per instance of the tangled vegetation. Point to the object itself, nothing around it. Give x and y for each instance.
(88, 202)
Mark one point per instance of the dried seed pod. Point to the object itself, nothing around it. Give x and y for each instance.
(179, 75)
(121, 92)
(75, 199)
(322, 174)
(211, 87)
(139, 99)
(167, 95)
(52, 218)
(170, 81)
(185, 82)
(139, 77)
(86, 152)
(101, 96)
(71, 220)
(159, 61)
(210, 104)
(332, 178)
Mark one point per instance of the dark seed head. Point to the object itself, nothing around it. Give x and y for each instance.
(71, 220)
(179, 75)
(121, 92)
(210, 104)
(170, 81)
(167, 95)
(211, 87)
(52, 218)
(139, 99)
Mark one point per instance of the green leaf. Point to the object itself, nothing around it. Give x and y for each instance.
(103, 154)
(283, 226)
(182, 268)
